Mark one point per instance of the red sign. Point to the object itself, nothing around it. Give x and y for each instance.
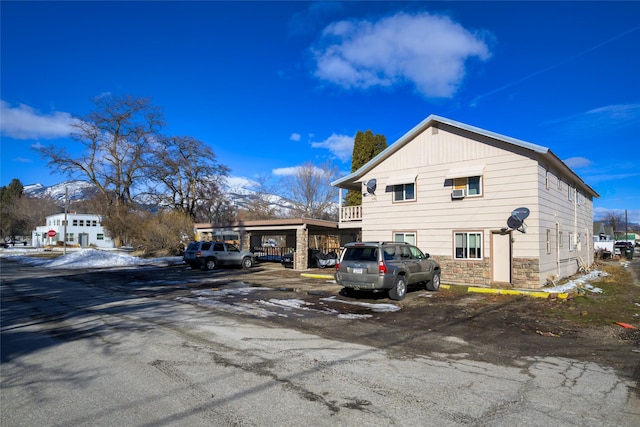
(51, 233)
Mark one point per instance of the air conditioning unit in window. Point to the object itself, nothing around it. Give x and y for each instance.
(458, 194)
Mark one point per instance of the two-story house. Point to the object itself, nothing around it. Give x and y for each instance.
(84, 230)
(492, 209)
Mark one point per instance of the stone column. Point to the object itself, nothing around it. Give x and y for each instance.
(302, 248)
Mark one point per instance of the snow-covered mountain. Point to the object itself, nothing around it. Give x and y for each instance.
(77, 190)
(237, 190)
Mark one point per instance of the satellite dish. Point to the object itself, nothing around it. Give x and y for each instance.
(371, 187)
(520, 213)
(516, 220)
(514, 223)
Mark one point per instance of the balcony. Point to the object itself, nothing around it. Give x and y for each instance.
(350, 213)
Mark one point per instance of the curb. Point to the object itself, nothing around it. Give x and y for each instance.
(474, 289)
(535, 294)
(317, 276)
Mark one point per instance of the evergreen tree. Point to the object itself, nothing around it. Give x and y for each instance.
(366, 146)
(9, 225)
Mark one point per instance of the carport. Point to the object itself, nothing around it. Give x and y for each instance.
(295, 232)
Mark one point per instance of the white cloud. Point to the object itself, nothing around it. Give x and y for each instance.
(295, 137)
(24, 122)
(340, 145)
(294, 170)
(285, 171)
(578, 162)
(425, 50)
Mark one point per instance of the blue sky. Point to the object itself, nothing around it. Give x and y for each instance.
(272, 85)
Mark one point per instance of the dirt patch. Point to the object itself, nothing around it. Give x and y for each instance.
(496, 328)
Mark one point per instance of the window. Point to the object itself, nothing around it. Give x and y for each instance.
(560, 239)
(559, 183)
(70, 237)
(81, 223)
(405, 238)
(100, 236)
(468, 245)
(404, 192)
(94, 223)
(546, 179)
(579, 197)
(570, 192)
(548, 241)
(472, 185)
(75, 222)
(570, 241)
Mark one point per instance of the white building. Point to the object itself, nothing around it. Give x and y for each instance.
(83, 230)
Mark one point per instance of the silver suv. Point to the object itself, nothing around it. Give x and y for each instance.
(212, 254)
(386, 265)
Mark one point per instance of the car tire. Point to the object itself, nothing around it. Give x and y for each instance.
(399, 290)
(210, 264)
(434, 283)
(247, 262)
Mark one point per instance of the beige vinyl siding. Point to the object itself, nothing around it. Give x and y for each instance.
(555, 207)
(506, 185)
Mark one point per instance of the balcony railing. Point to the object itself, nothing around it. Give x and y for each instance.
(350, 213)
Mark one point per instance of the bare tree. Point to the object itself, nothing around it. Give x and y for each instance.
(310, 192)
(261, 202)
(116, 137)
(615, 220)
(185, 174)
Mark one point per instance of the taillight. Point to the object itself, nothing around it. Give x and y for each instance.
(382, 267)
(199, 254)
(337, 265)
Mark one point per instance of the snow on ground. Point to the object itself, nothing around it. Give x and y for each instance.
(84, 258)
(579, 283)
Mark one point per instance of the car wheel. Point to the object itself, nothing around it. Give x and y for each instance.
(247, 262)
(210, 264)
(434, 283)
(399, 290)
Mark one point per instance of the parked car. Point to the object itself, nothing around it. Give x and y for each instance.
(391, 266)
(312, 260)
(209, 255)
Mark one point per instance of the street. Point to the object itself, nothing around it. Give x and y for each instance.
(150, 348)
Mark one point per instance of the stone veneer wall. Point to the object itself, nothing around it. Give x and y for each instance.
(302, 246)
(525, 272)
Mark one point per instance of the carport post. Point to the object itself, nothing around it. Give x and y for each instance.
(302, 248)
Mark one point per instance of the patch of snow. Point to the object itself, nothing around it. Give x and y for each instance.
(579, 283)
(378, 308)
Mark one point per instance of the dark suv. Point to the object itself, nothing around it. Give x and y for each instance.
(212, 254)
(386, 265)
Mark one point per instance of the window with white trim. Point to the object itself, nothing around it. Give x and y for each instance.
(404, 192)
(559, 183)
(570, 241)
(468, 245)
(405, 237)
(548, 241)
(546, 179)
(472, 185)
(560, 239)
(570, 192)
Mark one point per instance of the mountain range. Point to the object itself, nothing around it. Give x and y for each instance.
(78, 190)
